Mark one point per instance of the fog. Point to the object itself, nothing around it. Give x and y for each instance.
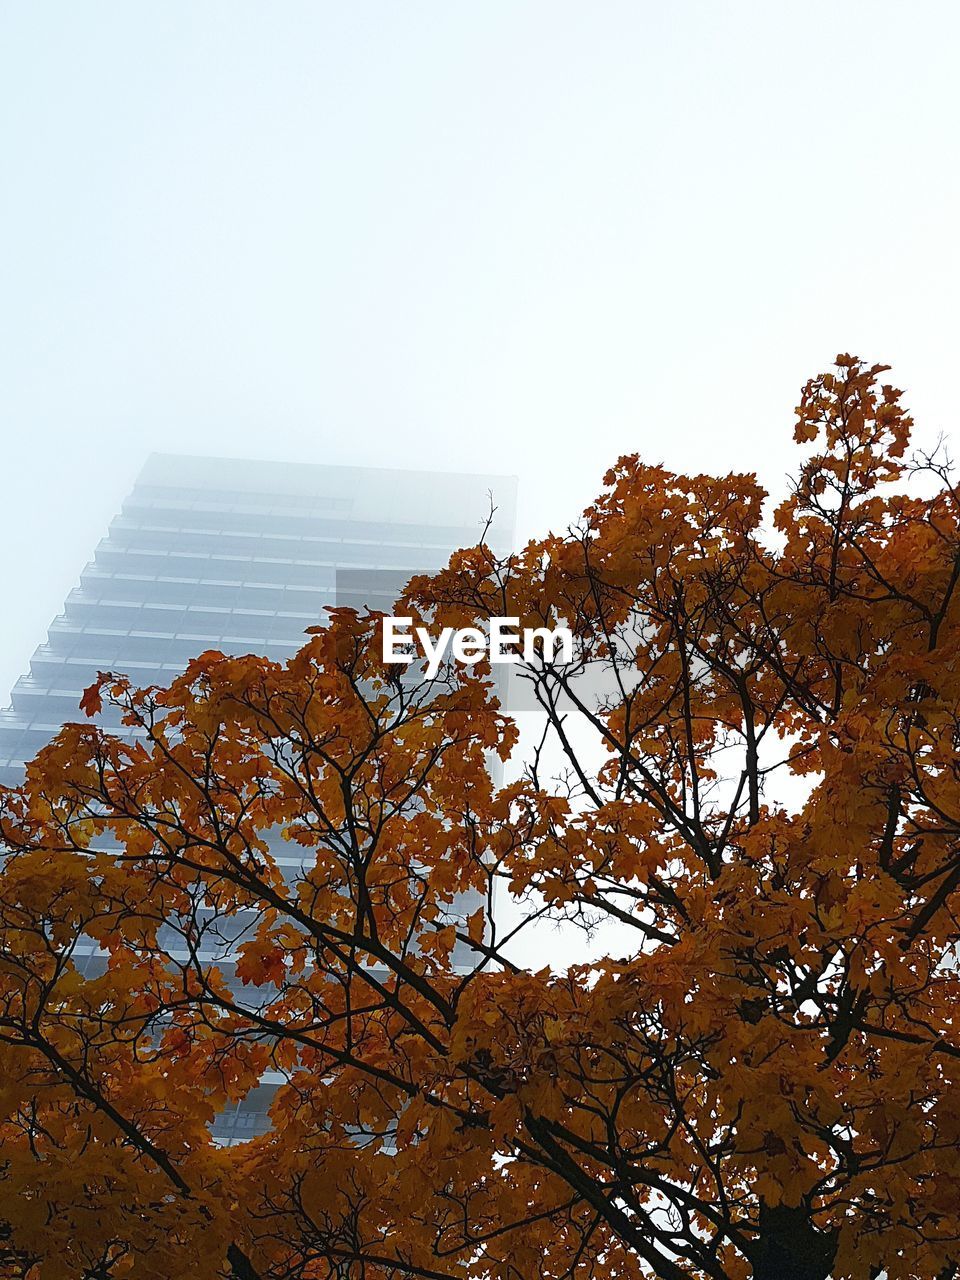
(521, 238)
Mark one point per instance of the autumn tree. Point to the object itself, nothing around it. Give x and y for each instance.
(747, 780)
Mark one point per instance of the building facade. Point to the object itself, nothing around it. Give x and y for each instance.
(216, 553)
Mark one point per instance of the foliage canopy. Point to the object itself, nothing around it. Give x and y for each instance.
(761, 1081)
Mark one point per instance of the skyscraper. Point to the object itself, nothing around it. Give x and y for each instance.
(216, 553)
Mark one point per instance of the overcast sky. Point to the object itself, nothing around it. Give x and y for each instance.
(525, 237)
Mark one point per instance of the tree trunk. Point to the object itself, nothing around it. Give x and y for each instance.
(789, 1247)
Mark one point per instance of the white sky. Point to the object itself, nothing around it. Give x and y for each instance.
(504, 236)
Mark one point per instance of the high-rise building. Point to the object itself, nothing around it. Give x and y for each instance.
(218, 553)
